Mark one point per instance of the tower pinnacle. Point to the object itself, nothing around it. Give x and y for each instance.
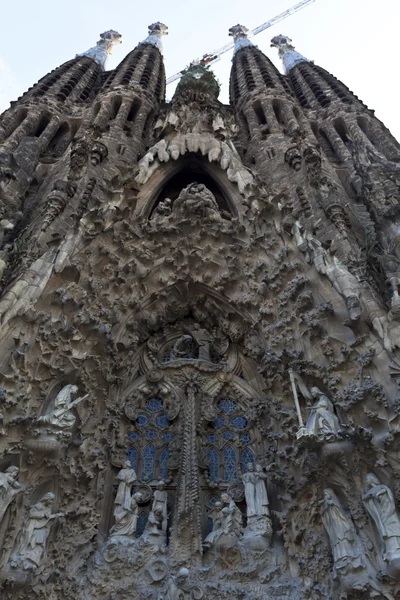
(287, 53)
(156, 32)
(239, 34)
(103, 48)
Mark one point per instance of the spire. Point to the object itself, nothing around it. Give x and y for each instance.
(287, 53)
(101, 51)
(239, 34)
(156, 31)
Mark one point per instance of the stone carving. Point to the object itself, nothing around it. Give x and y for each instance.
(9, 488)
(217, 526)
(345, 545)
(380, 504)
(322, 422)
(126, 518)
(126, 478)
(178, 587)
(62, 418)
(57, 201)
(197, 201)
(31, 545)
(160, 501)
(255, 491)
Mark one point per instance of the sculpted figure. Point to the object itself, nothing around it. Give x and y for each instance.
(126, 478)
(126, 519)
(203, 339)
(322, 423)
(231, 516)
(9, 487)
(62, 417)
(32, 543)
(160, 503)
(379, 502)
(196, 200)
(343, 538)
(217, 528)
(178, 587)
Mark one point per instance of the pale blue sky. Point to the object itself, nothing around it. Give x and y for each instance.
(356, 40)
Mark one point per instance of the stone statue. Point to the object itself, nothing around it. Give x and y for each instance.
(178, 587)
(231, 516)
(126, 478)
(196, 200)
(62, 417)
(217, 527)
(203, 339)
(379, 502)
(126, 519)
(322, 423)
(9, 487)
(153, 532)
(343, 538)
(160, 500)
(32, 542)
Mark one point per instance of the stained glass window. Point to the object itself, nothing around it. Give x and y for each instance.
(133, 436)
(227, 406)
(162, 421)
(151, 434)
(141, 522)
(168, 437)
(148, 462)
(213, 466)
(239, 422)
(247, 457)
(142, 421)
(219, 422)
(154, 405)
(230, 466)
(245, 439)
(164, 464)
(229, 435)
(133, 456)
(212, 438)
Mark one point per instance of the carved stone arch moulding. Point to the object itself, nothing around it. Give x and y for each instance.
(202, 171)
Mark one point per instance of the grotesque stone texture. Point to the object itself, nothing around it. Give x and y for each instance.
(199, 337)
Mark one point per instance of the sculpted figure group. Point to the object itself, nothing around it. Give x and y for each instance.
(348, 554)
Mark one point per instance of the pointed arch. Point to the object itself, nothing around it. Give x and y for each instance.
(202, 171)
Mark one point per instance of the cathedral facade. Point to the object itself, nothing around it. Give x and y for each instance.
(199, 335)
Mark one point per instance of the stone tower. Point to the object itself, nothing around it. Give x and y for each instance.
(200, 334)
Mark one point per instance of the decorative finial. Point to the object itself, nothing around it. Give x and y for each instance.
(104, 47)
(287, 53)
(239, 34)
(156, 31)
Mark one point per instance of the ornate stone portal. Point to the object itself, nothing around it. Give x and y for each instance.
(199, 336)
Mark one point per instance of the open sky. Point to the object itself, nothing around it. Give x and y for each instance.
(356, 40)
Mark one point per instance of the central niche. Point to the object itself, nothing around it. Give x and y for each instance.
(191, 173)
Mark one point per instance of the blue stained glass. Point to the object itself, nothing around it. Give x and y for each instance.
(154, 405)
(141, 523)
(211, 500)
(168, 437)
(219, 422)
(164, 464)
(212, 438)
(142, 421)
(229, 435)
(227, 406)
(246, 439)
(213, 464)
(247, 457)
(133, 456)
(162, 421)
(133, 436)
(151, 434)
(148, 462)
(239, 422)
(230, 466)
